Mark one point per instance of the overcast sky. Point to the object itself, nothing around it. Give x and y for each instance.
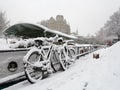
(88, 16)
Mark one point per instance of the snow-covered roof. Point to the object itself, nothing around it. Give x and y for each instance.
(56, 32)
(20, 27)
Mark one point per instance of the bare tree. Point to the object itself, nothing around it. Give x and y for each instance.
(111, 27)
(4, 23)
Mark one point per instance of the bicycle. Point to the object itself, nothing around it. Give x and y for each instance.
(66, 54)
(42, 60)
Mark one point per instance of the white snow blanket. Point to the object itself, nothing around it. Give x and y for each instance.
(85, 74)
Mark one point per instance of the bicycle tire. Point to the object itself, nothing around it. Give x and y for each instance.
(33, 75)
(63, 60)
(71, 54)
(55, 62)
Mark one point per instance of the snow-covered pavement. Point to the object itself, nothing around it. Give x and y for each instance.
(85, 74)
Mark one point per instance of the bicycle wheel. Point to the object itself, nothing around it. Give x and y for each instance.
(63, 60)
(32, 73)
(71, 53)
(55, 62)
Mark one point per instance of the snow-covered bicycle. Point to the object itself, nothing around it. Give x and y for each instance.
(66, 54)
(41, 61)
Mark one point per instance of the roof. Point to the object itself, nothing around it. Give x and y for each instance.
(33, 30)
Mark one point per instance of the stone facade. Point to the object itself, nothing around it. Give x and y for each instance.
(58, 24)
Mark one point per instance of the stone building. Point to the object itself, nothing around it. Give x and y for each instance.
(59, 24)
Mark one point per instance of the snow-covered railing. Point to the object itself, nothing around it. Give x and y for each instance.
(83, 49)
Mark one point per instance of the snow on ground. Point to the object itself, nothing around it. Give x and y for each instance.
(85, 74)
